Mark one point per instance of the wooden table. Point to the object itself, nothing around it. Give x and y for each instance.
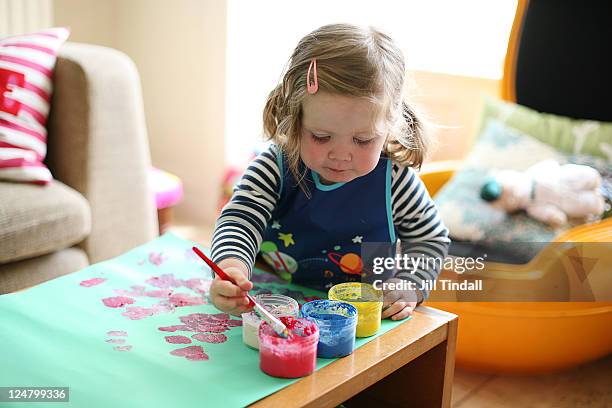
(411, 365)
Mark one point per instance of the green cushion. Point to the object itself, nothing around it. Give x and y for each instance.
(570, 136)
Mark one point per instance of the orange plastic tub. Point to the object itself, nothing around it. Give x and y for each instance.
(544, 336)
(528, 337)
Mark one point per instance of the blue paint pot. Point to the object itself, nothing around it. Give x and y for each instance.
(337, 322)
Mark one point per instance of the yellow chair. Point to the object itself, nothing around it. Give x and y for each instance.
(534, 337)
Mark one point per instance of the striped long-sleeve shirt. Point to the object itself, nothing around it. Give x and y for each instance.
(239, 229)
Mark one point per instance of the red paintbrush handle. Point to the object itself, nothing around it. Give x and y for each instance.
(219, 271)
(213, 265)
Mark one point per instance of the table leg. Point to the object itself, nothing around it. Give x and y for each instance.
(424, 382)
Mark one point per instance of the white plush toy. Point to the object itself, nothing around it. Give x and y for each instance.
(549, 192)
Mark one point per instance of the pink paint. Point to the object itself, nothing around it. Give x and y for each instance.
(156, 258)
(180, 327)
(163, 307)
(162, 293)
(220, 328)
(210, 337)
(207, 327)
(194, 319)
(118, 301)
(116, 333)
(182, 299)
(295, 356)
(192, 353)
(138, 313)
(165, 281)
(198, 285)
(92, 282)
(116, 341)
(201, 322)
(178, 339)
(122, 348)
(136, 290)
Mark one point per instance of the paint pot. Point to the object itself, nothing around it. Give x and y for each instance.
(337, 322)
(366, 299)
(278, 305)
(291, 357)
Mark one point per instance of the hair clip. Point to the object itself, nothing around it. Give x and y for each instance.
(313, 87)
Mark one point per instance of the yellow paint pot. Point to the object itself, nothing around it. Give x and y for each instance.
(366, 299)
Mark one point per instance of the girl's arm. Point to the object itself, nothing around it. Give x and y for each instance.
(422, 233)
(239, 228)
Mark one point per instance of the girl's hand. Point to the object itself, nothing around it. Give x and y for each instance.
(226, 296)
(398, 304)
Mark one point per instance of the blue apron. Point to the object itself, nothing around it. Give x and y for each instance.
(316, 241)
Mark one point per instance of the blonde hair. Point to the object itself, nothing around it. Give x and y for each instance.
(351, 61)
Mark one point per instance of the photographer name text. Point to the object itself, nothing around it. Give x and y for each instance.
(429, 285)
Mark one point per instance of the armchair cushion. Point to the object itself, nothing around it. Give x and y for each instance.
(38, 220)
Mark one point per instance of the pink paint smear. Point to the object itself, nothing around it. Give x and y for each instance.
(210, 337)
(178, 339)
(203, 322)
(182, 299)
(118, 301)
(139, 312)
(169, 300)
(157, 258)
(162, 293)
(181, 327)
(92, 282)
(165, 281)
(116, 333)
(208, 327)
(136, 290)
(192, 353)
(198, 285)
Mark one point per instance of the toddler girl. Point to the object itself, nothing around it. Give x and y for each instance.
(338, 174)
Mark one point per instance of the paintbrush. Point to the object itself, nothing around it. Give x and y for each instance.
(275, 323)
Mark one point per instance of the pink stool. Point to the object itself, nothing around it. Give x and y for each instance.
(168, 190)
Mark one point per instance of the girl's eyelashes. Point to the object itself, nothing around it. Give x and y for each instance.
(319, 138)
(362, 142)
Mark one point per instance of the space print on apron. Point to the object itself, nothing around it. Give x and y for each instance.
(316, 241)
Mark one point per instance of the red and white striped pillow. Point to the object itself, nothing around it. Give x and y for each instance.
(26, 68)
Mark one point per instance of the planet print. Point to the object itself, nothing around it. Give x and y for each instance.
(349, 263)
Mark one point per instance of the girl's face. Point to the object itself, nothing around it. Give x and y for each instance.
(341, 139)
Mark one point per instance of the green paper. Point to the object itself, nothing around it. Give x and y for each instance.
(55, 335)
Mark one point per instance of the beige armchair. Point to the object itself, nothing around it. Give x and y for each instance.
(99, 204)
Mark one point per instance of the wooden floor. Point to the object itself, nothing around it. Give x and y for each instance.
(589, 385)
